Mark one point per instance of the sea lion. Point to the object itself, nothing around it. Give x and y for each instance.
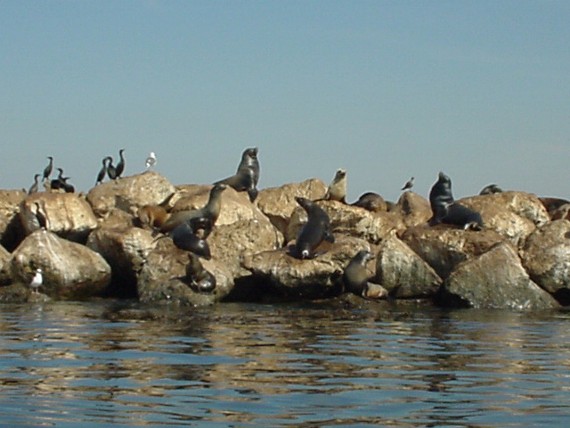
(185, 238)
(337, 189)
(204, 218)
(198, 277)
(490, 189)
(153, 216)
(247, 175)
(460, 215)
(440, 197)
(371, 201)
(313, 232)
(355, 275)
(561, 212)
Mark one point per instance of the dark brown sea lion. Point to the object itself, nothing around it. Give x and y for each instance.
(371, 201)
(316, 230)
(247, 175)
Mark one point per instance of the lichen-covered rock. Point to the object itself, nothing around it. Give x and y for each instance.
(10, 227)
(129, 193)
(278, 203)
(444, 247)
(514, 215)
(309, 278)
(66, 214)
(495, 280)
(350, 220)
(125, 249)
(546, 257)
(162, 278)
(70, 270)
(414, 209)
(402, 272)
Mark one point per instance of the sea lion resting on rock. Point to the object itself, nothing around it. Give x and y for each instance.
(371, 201)
(198, 277)
(313, 232)
(490, 189)
(204, 218)
(355, 277)
(247, 175)
(153, 216)
(460, 215)
(337, 189)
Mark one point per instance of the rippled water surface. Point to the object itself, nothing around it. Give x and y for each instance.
(308, 365)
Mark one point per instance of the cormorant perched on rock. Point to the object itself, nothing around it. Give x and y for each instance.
(57, 183)
(409, 184)
(121, 164)
(35, 186)
(48, 169)
(111, 169)
(102, 172)
(150, 160)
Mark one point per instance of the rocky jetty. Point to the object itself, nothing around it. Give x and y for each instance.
(109, 243)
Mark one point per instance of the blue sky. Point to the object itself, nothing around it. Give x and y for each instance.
(385, 89)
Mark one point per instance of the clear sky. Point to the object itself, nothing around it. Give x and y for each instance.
(385, 89)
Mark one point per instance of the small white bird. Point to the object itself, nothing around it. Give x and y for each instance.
(151, 160)
(37, 281)
(409, 184)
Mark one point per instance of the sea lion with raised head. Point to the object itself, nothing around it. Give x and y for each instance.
(337, 188)
(440, 197)
(203, 218)
(316, 230)
(355, 275)
(247, 175)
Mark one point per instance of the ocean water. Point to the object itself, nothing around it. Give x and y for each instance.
(334, 363)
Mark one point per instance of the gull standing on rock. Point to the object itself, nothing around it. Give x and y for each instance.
(409, 184)
(37, 281)
(150, 161)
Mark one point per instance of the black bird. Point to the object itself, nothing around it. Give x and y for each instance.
(111, 169)
(121, 165)
(57, 183)
(48, 169)
(34, 187)
(102, 172)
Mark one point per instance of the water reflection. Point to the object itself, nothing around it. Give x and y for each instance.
(281, 365)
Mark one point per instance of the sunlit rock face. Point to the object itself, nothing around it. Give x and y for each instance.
(546, 257)
(403, 273)
(66, 214)
(495, 280)
(70, 270)
(129, 193)
(414, 209)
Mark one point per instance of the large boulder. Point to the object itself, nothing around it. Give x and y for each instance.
(414, 209)
(278, 203)
(495, 280)
(70, 270)
(5, 269)
(10, 227)
(546, 257)
(66, 214)
(514, 215)
(350, 220)
(125, 249)
(130, 193)
(402, 272)
(310, 278)
(162, 278)
(444, 247)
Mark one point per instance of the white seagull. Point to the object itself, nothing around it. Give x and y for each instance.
(37, 281)
(151, 160)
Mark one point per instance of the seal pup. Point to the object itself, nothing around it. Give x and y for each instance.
(35, 186)
(440, 197)
(409, 184)
(490, 189)
(36, 281)
(150, 161)
(198, 277)
(337, 188)
(370, 201)
(247, 175)
(48, 169)
(316, 230)
(204, 218)
(121, 164)
(102, 172)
